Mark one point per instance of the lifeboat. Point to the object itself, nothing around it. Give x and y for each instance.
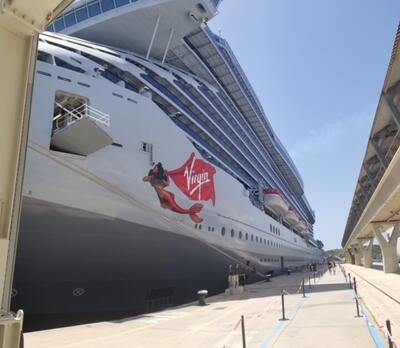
(275, 201)
(302, 225)
(291, 216)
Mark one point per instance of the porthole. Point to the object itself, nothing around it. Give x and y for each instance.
(232, 232)
(240, 234)
(223, 231)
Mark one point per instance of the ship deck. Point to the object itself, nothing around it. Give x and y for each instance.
(327, 315)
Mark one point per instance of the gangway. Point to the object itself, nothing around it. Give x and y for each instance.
(20, 23)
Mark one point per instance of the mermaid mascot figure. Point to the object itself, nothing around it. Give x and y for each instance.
(158, 178)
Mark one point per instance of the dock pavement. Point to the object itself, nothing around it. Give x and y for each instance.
(326, 317)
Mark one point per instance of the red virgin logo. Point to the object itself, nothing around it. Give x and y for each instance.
(195, 179)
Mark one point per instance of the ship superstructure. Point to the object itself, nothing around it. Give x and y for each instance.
(151, 141)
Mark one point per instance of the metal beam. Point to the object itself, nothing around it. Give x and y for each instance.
(171, 34)
(153, 37)
(394, 111)
(378, 152)
(369, 174)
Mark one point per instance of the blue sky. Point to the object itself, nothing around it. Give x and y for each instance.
(317, 67)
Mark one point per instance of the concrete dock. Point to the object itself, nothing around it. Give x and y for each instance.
(325, 317)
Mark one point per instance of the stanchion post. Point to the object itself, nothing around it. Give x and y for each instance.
(350, 281)
(243, 333)
(314, 278)
(389, 328)
(283, 305)
(304, 290)
(309, 281)
(355, 285)
(358, 309)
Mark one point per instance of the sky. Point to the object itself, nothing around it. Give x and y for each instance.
(317, 67)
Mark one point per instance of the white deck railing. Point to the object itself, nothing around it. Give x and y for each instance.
(84, 110)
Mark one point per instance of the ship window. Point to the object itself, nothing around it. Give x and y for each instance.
(200, 227)
(70, 19)
(265, 242)
(81, 14)
(252, 237)
(247, 236)
(201, 8)
(146, 147)
(223, 231)
(59, 24)
(256, 239)
(63, 64)
(195, 226)
(130, 87)
(232, 232)
(240, 234)
(132, 101)
(270, 228)
(44, 57)
(121, 2)
(212, 229)
(107, 5)
(94, 9)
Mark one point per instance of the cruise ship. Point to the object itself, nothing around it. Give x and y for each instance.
(151, 166)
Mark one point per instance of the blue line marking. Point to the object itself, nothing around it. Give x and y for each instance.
(282, 324)
(371, 328)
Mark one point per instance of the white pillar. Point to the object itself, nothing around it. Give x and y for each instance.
(367, 254)
(350, 256)
(356, 251)
(389, 249)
